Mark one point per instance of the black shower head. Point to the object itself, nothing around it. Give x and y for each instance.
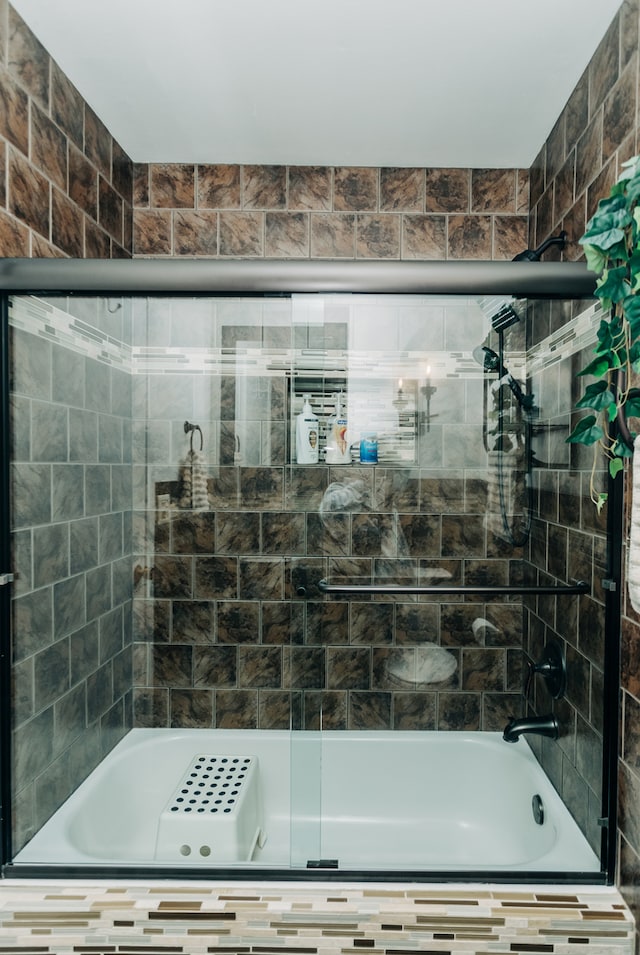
(533, 255)
(487, 358)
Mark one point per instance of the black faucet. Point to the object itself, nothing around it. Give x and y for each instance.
(541, 725)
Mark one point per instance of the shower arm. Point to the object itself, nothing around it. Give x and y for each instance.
(577, 587)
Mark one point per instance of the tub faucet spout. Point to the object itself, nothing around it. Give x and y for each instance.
(541, 725)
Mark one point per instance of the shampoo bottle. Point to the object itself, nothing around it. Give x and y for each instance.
(307, 450)
(338, 449)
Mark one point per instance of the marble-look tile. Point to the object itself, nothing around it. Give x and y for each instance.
(462, 536)
(447, 190)
(260, 667)
(498, 709)
(195, 233)
(193, 533)
(264, 187)
(28, 59)
(49, 432)
(604, 65)
(215, 666)
(14, 113)
(51, 673)
(374, 535)
(369, 711)
(236, 709)
(327, 623)
(483, 670)
(31, 494)
(304, 668)
(422, 534)
(469, 237)
(261, 487)
(619, 108)
(151, 707)
(589, 154)
(172, 577)
(310, 188)
(238, 621)
(141, 183)
(378, 236)
(152, 232)
(414, 711)
(172, 666)
(355, 189)
(49, 148)
(458, 711)
(333, 236)
(97, 142)
(371, 623)
(110, 210)
(241, 234)
(416, 623)
(279, 710)
(424, 237)
(325, 710)
(191, 708)
(66, 225)
(261, 578)
(67, 106)
(14, 236)
(286, 235)
(121, 172)
(509, 236)
(402, 190)
(237, 532)
(282, 622)
(215, 577)
(283, 533)
(348, 668)
(493, 190)
(192, 621)
(172, 186)
(218, 186)
(28, 194)
(83, 182)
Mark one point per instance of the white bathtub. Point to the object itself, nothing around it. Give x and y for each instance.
(421, 801)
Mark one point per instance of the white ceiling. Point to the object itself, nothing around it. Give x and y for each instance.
(471, 83)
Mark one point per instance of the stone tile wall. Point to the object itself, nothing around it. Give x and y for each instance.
(325, 212)
(222, 636)
(576, 166)
(71, 501)
(66, 184)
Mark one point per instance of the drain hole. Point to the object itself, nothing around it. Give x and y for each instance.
(185, 850)
(205, 851)
(537, 808)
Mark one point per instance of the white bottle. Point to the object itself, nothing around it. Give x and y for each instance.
(338, 449)
(307, 450)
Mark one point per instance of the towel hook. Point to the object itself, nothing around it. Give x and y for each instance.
(188, 427)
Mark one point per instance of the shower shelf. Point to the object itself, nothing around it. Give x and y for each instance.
(578, 587)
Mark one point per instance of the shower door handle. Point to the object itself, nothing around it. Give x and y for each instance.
(6, 579)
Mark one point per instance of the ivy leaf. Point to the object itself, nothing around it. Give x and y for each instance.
(598, 367)
(632, 404)
(631, 306)
(615, 466)
(602, 500)
(596, 258)
(587, 431)
(596, 396)
(612, 285)
(622, 450)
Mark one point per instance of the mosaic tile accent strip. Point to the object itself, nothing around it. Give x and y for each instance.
(194, 919)
(577, 334)
(43, 319)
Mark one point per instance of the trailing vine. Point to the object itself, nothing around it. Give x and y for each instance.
(612, 248)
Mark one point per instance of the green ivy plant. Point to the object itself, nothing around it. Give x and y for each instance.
(612, 249)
